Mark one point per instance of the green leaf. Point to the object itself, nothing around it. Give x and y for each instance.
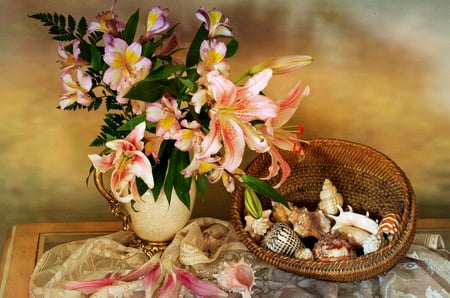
(130, 28)
(145, 90)
(164, 72)
(132, 123)
(232, 48)
(96, 58)
(264, 189)
(193, 56)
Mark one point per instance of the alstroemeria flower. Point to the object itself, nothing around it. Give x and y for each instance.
(76, 91)
(166, 113)
(70, 61)
(156, 22)
(214, 22)
(231, 114)
(126, 66)
(107, 22)
(212, 57)
(128, 162)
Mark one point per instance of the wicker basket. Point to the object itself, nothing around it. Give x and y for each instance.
(367, 179)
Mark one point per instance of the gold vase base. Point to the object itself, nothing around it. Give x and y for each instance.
(148, 247)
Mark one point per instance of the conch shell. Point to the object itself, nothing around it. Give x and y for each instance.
(389, 225)
(355, 236)
(258, 227)
(330, 199)
(282, 239)
(308, 224)
(349, 218)
(237, 277)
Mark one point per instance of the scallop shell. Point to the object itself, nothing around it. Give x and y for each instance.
(389, 225)
(303, 224)
(330, 198)
(282, 239)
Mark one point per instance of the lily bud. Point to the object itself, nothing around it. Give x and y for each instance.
(252, 203)
(283, 64)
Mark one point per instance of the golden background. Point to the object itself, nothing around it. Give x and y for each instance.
(380, 77)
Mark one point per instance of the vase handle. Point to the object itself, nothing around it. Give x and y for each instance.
(114, 205)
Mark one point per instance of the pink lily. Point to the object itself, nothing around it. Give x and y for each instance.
(169, 285)
(76, 91)
(197, 286)
(231, 114)
(152, 280)
(214, 22)
(277, 136)
(91, 286)
(128, 162)
(126, 66)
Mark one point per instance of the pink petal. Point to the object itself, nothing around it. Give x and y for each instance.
(88, 287)
(152, 280)
(258, 82)
(168, 287)
(150, 265)
(198, 286)
(234, 145)
(289, 105)
(103, 163)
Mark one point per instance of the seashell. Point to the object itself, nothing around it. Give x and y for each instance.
(371, 243)
(237, 277)
(389, 225)
(304, 254)
(258, 227)
(282, 239)
(320, 221)
(349, 218)
(280, 212)
(303, 224)
(354, 235)
(333, 248)
(330, 198)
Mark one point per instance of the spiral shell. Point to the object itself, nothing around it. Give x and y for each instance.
(330, 198)
(389, 225)
(303, 223)
(282, 239)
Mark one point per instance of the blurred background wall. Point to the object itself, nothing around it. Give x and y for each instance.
(380, 77)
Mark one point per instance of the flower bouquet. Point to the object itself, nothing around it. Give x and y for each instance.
(173, 115)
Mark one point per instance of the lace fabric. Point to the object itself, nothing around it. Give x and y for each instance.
(205, 244)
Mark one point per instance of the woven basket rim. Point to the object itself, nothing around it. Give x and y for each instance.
(363, 267)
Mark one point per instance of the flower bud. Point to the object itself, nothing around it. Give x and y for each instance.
(283, 64)
(252, 203)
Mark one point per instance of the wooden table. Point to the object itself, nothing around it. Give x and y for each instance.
(27, 242)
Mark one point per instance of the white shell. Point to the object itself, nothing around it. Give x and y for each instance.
(330, 199)
(304, 254)
(304, 223)
(371, 244)
(355, 236)
(349, 218)
(282, 239)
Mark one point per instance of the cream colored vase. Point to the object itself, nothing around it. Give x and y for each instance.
(154, 222)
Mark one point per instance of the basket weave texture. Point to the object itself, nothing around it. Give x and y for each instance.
(367, 179)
